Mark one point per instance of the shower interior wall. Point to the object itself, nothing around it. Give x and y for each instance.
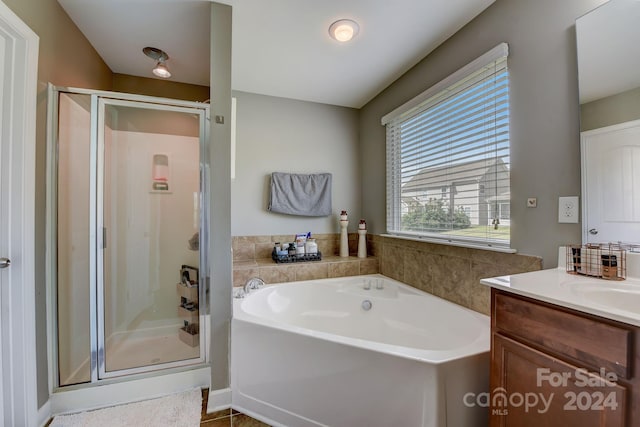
(147, 232)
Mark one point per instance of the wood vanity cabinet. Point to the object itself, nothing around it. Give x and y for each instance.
(553, 366)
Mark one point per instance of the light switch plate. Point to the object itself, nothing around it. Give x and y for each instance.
(532, 202)
(568, 208)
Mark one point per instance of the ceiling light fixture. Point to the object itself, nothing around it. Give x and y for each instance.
(161, 70)
(160, 56)
(344, 30)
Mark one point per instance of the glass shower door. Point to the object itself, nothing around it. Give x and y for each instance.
(148, 209)
(73, 183)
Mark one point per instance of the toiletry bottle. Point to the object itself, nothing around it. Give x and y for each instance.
(311, 247)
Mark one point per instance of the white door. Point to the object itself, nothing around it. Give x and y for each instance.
(611, 184)
(18, 79)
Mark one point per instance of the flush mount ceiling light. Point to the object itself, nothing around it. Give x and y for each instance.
(344, 30)
(160, 56)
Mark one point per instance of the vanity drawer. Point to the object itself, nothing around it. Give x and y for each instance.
(584, 340)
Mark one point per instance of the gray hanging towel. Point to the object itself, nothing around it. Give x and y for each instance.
(300, 194)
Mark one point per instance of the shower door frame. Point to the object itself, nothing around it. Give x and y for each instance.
(96, 283)
(102, 103)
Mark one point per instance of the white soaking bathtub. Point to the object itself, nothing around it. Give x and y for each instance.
(310, 354)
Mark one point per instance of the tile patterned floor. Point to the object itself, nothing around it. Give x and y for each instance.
(225, 418)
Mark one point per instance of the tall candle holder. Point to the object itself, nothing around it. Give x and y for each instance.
(344, 237)
(362, 239)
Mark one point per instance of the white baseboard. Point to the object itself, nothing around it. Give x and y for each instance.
(87, 398)
(259, 417)
(219, 400)
(44, 414)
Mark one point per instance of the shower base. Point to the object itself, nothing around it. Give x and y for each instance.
(141, 348)
(147, 347)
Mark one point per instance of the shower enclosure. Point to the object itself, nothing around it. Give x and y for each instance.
(128, 233)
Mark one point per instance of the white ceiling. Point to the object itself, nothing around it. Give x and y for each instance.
(280, 47)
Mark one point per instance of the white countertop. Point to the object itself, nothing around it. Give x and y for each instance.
(615, 300)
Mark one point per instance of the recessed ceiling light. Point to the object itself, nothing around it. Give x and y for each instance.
(344, 30)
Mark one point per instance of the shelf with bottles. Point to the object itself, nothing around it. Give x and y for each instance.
(188, 313)
(190, 293)
(190, 334)
(188, 310)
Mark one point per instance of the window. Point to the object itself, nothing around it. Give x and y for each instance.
(448, 166)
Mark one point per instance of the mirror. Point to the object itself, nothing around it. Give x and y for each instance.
(608, 41)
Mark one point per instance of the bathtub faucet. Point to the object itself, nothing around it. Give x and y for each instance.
(367, 284)
(253, 283)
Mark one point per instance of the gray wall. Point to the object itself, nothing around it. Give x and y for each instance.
(285, 135)
(220, 215)
(545, 147)
(614, 109)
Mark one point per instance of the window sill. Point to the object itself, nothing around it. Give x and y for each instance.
(451, 243)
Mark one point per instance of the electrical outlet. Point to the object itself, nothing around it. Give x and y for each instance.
(568, 209)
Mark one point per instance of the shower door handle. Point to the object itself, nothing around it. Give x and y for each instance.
(104, 237)
(5, 262)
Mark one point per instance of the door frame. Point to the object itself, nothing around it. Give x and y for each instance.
(22, 77)
(100, 102)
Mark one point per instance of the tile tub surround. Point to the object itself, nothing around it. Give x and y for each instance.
(449, 272)
(250, 248)
(328, 267)
(252, 258)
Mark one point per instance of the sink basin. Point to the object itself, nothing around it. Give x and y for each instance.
(616, 295)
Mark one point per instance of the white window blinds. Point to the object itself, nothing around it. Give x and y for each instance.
(448, 158)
